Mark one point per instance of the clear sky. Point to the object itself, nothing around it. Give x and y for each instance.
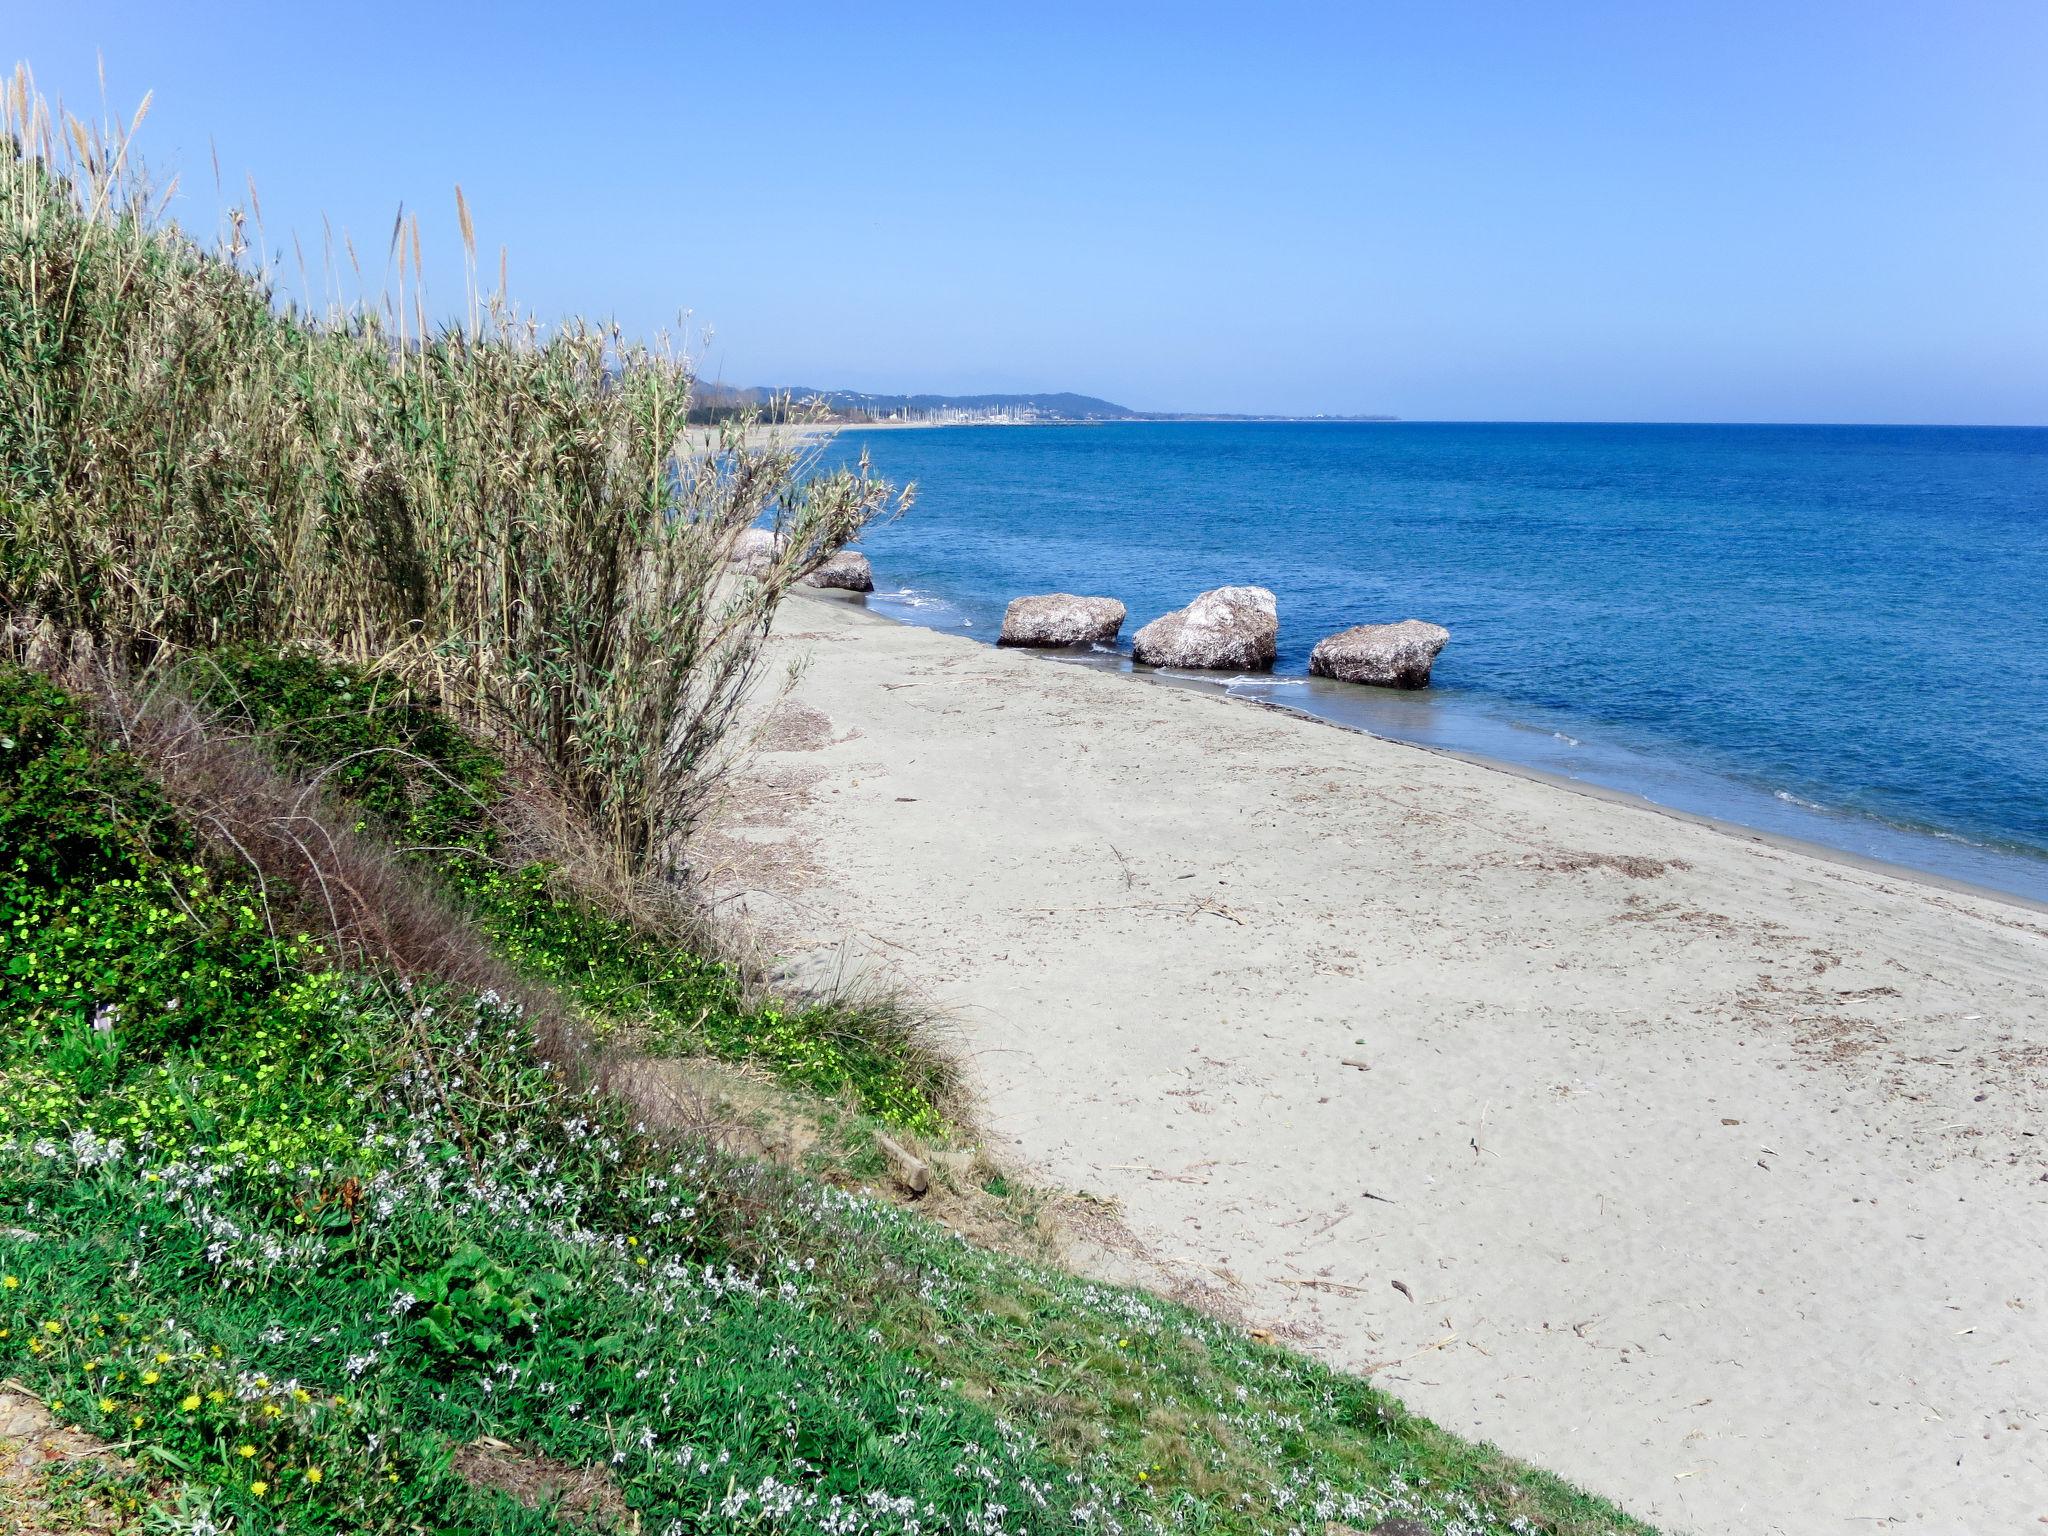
(1828, 210)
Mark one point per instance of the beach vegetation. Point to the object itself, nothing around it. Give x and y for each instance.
(272, 1212)
(509, 515)
(363, 683)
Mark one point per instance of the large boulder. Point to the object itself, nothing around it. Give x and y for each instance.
(1232, 629)
(1384, 655)
(1060, 618)
(754, 552)
(848, 571)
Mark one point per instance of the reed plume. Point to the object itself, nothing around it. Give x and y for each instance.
(511, 514)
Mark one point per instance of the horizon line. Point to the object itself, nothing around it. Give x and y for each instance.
(1372, 419)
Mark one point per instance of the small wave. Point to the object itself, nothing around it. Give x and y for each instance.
(1570, 741)
(1791, 799)
(1971, 842)
(1224, 679)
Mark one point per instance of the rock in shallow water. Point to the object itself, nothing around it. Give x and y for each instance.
(1384, 655)
(1230, 629)
(1060, 618)
(848, 571)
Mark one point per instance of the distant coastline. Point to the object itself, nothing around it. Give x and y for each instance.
(799, 404)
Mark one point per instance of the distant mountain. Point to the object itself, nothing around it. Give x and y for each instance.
(851, 405)
(858, 405)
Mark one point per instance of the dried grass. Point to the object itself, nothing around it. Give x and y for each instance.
(508, 515)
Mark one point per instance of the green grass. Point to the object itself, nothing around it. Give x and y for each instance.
(392, 755)
(282, 1219)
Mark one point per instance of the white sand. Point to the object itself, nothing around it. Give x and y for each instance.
(1718, 1190)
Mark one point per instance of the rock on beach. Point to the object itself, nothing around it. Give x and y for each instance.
(848, 571)
(1383, 655)
(1228, 629)
(754, 551)
(1060, 618)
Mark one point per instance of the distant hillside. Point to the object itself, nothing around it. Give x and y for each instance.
(858, 405)
(715, 401)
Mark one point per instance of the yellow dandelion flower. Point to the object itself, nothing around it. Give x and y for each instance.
(216, 1396)
(259, 1487)
(312, 1474)
(245, 1451)
(191, 1402)
(10, 1282)
(53, 1329)
(106, 1405)
(151, 1378)
(56, 1405)
(301, 1395)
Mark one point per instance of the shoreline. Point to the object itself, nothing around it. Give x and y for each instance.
(1739, 831)
(1708, 1164)
(1223, 685)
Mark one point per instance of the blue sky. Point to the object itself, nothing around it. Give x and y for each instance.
(1568, 210)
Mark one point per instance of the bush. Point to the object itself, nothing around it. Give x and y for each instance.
(170, 954)
(514, 519)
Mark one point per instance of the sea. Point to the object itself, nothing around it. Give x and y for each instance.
(1832, 633)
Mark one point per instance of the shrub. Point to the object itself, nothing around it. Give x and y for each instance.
(170, 953)
(513, 518)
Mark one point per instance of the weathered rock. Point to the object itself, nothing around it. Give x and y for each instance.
(1384, 655)
(848, 571)
(1230, 629)
(1060, 618)
(754, 551)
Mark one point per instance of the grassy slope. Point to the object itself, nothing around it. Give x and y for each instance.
(292, 1237)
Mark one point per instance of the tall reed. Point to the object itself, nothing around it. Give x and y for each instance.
(510, 512)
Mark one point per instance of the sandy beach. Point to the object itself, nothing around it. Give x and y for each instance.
(1709, 1173)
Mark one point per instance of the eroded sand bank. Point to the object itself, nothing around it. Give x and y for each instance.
(1715, 1170)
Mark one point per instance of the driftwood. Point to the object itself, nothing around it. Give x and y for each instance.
(907, 1169)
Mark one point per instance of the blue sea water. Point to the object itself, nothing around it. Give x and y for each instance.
(1835, 633)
